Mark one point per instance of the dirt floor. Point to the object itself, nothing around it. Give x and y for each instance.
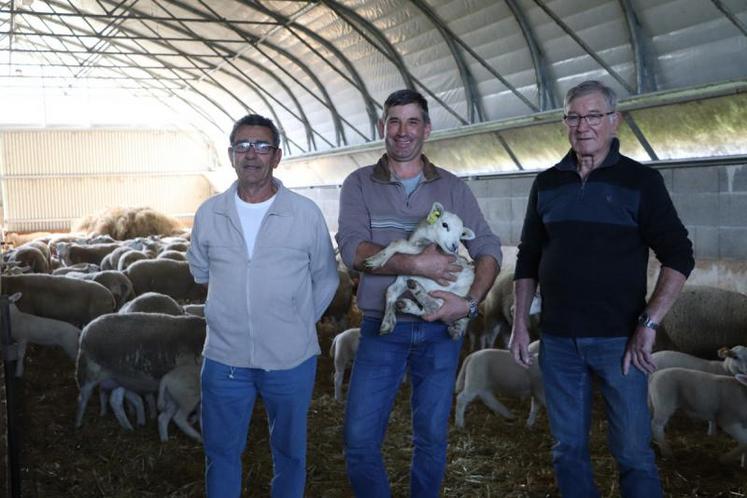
(491, 458)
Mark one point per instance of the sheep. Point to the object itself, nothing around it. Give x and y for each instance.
(59, 297)
(175, 255)
(497, 315)
(27, 328)
(129, 257)
(116, 281)
(135, 350)
(446, 230)
(31, 256)
(734, 362)
(712, 397)
(71, 254)
(194, 309)
(111, 260)
(178, 397)
(704, 319)
(153, 302)
(343, 349)
(491, 371)
(167, 277)
(338, 308)
(77, 268)
(126, 223)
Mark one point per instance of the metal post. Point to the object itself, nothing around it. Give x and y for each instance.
(9, 350)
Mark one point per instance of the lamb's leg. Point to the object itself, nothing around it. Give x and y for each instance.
(180, 419)
(738, 432)
(464, 398)
(339, 375)
(456, 329)
(658, 424)
(21, 354)
(533, 411)
(137, 402)
(165, 417)
(401, 246)
(392, 293)
(115, 401)
(495, 405)
(85, 394)
(429, 303)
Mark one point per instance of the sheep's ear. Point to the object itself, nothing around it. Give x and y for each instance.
(15, 297)
(741, 378)
(467, 234)
(436, 211)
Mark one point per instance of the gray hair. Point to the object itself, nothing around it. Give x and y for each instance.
(591, 86)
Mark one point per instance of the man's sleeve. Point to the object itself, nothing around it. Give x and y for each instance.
(662, 228)
(197, 253)
(532, 238)
(324, 277)
(353, 222)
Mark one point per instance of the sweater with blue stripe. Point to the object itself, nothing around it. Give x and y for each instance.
(587, 244)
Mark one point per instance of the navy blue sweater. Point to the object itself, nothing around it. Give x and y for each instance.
(587, 243)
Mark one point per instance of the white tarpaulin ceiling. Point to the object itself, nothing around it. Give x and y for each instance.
(322, 69)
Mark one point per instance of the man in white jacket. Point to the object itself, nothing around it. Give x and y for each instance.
(267, 258)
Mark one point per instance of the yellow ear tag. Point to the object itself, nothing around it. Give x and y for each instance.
(433, 216)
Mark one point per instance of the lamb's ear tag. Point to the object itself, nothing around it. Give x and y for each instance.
(433, 216)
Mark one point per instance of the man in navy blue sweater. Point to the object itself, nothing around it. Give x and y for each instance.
(590, 222)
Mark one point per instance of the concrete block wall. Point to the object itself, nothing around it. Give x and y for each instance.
(710, 199)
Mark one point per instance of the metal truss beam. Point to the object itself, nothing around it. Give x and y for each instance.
(545, 86)
(645, 62)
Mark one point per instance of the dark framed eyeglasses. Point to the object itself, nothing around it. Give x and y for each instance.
(593, 119)
(261, 148)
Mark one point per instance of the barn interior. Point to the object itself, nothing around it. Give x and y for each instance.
(109, 104)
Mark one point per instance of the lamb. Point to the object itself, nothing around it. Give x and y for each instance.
(116, 281)
(61, 298)
(490, 371)
(77, 268)
(712, 397)
(446, 230)
(178, 397)
(129, 257)
(497, 315)
(343, 349)
(194, 309)
(167, 277)
(27, 328)
(135, 350)
(31, 256)
(170, 254)
(71, 254)
(704, 319)
(153, 302)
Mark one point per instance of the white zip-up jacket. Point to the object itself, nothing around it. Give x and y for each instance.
(262, 312)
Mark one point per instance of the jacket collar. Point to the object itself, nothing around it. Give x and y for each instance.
(382, 173)
(281, 205)
(568, 163)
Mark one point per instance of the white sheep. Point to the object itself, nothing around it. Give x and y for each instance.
(343, 349)
(489, 371)
(178, 397)
(153, 302)
(134, 350)
(71, 254)
(703, 319)
(194, 309)
(166, 276)
(27, 328)
(704, 395)
(446, 230)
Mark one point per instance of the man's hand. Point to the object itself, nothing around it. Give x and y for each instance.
(434, 264)
(454, 307)
(519, 345)
(638, 351)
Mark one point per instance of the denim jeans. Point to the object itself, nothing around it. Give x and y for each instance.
(568, 365)
(429, 355)
(228, 396)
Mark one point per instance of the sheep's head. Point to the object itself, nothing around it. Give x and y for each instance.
(447, 228)
(735, 359)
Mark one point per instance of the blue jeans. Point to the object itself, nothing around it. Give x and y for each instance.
(228, 396)
(430, 356)
(568, 365)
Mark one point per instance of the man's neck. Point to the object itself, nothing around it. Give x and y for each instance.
(405, 170)
(585, 164)
(256, 194)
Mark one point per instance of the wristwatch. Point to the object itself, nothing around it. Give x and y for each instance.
(645, 321)
(472, 302)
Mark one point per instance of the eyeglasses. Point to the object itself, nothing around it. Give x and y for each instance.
(593, 119)
(261, 148)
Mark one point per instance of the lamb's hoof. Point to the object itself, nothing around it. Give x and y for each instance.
(384, 330)
(411, 284)
(456, 334)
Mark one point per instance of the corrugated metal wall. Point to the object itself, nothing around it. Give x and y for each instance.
(51, 177)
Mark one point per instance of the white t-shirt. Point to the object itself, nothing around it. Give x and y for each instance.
(251, 215)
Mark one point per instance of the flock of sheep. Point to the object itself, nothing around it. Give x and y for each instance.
(129, 314)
